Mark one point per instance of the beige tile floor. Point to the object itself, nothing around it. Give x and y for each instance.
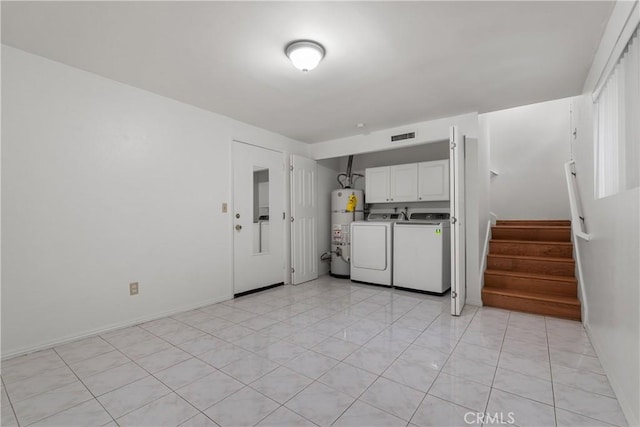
(328, 352)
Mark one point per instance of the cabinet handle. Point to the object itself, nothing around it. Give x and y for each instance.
(387, 200)
(419, 198)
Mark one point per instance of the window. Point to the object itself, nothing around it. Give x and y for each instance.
(617, 107)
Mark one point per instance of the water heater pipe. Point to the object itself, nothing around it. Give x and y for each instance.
(349, 166)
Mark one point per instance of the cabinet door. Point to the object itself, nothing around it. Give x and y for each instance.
(404, 183)
(433, 180)
(377, 185)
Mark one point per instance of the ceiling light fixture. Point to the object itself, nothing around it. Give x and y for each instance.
(305, 54)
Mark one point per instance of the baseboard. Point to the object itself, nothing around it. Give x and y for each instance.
(472, 301)
(625, 404)
(112, 327)
(255, 291)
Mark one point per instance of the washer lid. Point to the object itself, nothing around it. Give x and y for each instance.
(428, 216)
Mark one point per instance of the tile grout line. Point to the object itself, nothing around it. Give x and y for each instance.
(397, 357)
(84, 385)
(13, 411)
(310, 349)
(504, 336)
(245, 385)
(331, 312)
(61, 386)
(553, 394)
(173, 345)
(342, 361)
(443, 365)
(379, 375)
(173, 391)
(136, 380)
(150, 374)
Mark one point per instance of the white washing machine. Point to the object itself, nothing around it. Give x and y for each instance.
(422, 253)
(371, 249)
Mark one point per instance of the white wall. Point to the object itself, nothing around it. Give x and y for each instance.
(611, 259)
(398, 156)
(610, 263)
(104, 184)
(529, 146)
(476, 211)
(426, 132)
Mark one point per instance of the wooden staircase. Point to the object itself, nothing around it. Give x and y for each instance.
(530, 268)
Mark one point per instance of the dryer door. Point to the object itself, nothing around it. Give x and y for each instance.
(369, 246)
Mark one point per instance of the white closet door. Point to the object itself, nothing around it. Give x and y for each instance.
(458, 247)
(304, 219)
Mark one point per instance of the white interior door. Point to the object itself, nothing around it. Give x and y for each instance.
(458, 247)
(258, 206)
(304, 220)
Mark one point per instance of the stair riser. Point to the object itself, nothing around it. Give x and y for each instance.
(534, 234)
(531, 249)
(526, 305)
(538, 286)
(515, 222)
(551, 268)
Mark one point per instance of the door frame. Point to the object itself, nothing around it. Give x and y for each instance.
(457, 180)
(286, 252)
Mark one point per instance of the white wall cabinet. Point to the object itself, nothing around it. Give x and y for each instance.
(377, 184)
(413, 182)
(403, 180)
(433, 180)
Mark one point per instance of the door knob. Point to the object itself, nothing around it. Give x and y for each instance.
(238, 227)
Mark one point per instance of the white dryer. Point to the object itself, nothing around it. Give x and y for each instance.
(371, 249)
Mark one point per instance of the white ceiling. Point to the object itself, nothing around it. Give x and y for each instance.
(387, 63)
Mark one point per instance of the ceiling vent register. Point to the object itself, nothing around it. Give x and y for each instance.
(403, 136)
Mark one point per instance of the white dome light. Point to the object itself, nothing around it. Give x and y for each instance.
(305, 55)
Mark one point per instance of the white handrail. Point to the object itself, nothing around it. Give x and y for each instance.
(576, 221)
(493, 218)
(576, 228)
(485, 250)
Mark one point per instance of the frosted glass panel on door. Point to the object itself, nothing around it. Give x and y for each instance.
(260, 210)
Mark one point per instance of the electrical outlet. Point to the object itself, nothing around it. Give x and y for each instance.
(224, 207)
(133, 288)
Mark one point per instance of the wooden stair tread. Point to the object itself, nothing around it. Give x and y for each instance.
(534, 242)
(533, 258)
(533, 296)
(534, 221)
(530, 268)
(567, 279)
(532, 227)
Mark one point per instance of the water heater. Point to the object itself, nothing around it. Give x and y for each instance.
(347, 205)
